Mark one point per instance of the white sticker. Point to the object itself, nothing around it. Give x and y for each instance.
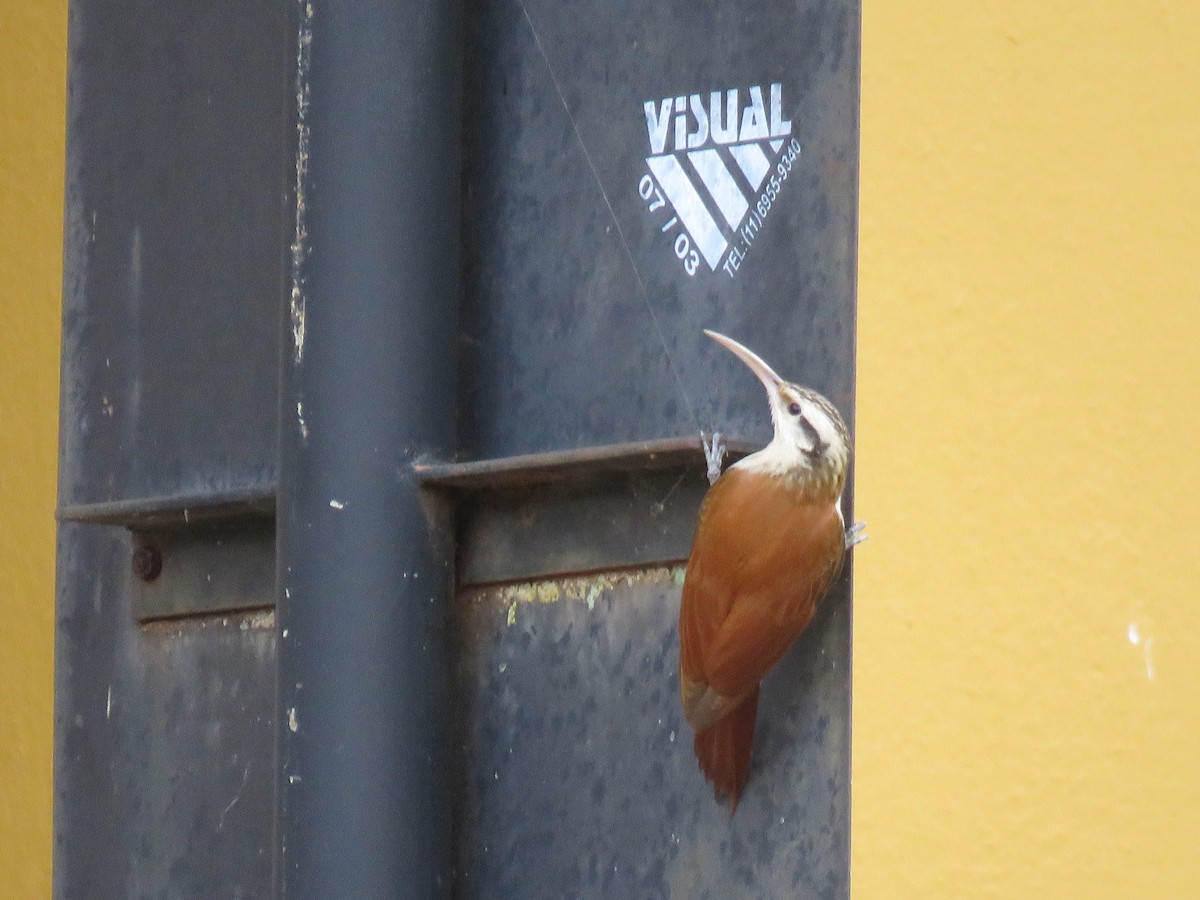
(717, 165)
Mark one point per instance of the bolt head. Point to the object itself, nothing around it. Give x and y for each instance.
(146, 562)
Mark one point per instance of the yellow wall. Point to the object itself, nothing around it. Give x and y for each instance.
(32, 102)
(1029, 452)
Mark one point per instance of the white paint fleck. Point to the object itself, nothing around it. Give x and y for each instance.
(293, 722)
(285, 632)
(1147, 644)
(297, 303)
(300, 420)
(672, 737)
(108, 705)
(337, 504)
(503, 667)
(292, 779)
(300, 237)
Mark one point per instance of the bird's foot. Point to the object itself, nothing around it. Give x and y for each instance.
(856, 534)
(714, 454)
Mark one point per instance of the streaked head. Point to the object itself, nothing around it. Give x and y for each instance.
(810, 435)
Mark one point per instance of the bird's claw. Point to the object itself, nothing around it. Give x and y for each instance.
(714, 454)
(856, 534)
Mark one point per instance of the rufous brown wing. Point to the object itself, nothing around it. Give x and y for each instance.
(765, 552)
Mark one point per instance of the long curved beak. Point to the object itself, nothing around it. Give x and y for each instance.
(764, 372)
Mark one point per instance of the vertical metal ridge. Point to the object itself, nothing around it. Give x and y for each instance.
(363, 588)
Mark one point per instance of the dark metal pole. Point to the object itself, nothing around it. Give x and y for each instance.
(367, 384)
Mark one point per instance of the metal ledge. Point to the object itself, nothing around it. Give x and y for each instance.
(254, 502)
(562, 466)
(209, 568)
(215, 551)
(518, 518)
(575, 511)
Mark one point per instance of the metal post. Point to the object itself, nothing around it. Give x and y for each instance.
(368, 383)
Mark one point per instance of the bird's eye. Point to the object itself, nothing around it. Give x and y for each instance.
(794, 409)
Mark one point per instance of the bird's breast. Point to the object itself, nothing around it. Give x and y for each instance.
(764, 553)
(750, 520)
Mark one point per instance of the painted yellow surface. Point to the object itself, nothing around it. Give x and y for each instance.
(1027, 619)
(32, 103)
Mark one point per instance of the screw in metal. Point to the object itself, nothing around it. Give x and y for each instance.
(146, 562)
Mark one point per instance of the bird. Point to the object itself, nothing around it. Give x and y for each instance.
(769, 542)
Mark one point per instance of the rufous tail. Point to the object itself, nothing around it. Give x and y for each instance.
(723, 749)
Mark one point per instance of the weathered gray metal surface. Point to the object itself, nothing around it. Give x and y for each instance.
(173, 277)
(572, 511)
(566, 466)
(634, 520)
(367, 383)
(255, 500)
(579, 778)
(580, 327)
(164, 734)
(209, 568)
(174, 246)
(579, 330)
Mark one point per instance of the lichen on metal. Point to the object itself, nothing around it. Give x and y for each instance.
(586, 589)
